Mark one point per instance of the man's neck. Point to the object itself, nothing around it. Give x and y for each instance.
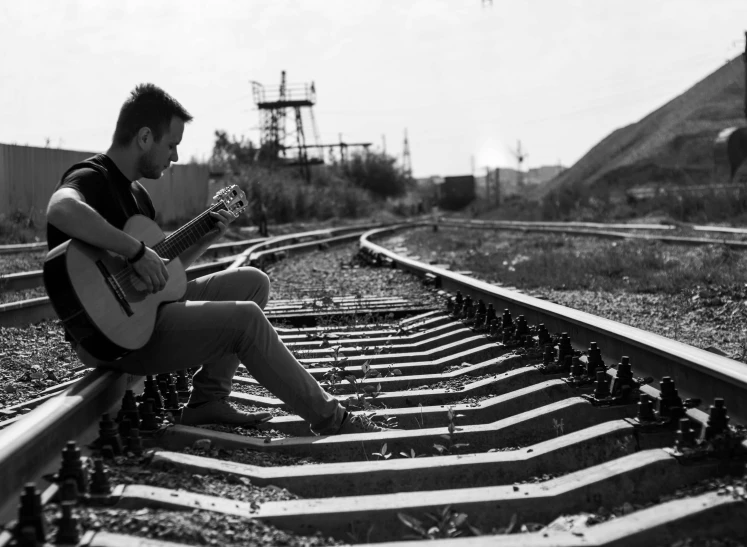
(125, 162)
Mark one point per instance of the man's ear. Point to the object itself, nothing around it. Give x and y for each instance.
(144, 138)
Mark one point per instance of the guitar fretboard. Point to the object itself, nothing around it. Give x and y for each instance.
(189, 234)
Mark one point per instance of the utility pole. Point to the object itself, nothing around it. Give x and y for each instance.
(383, 143)
(406, 159)
(487, 185)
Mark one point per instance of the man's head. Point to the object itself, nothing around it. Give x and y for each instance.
(151, 125)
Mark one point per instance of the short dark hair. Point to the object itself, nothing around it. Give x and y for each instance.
(147, 106)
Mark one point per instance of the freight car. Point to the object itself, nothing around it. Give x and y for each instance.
(457, 192)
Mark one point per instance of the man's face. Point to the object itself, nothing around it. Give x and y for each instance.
(156, 159)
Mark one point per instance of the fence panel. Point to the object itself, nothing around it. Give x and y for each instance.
(29, 174)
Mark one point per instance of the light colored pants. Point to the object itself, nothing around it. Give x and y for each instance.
(218, 323)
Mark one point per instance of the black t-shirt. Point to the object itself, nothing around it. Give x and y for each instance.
(107, 190)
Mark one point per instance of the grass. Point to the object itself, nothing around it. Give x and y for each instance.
(20, 228)
(562, 262)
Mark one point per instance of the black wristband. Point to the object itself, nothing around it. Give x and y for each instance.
(138, 255)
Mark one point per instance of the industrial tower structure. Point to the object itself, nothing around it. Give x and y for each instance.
(273, 106)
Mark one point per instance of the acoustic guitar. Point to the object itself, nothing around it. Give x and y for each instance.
(103, 304)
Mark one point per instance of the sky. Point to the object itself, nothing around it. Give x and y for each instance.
(465, 78)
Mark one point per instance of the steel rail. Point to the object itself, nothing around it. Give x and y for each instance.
(674, 240)
(30, 280)
(14, 314)
(291, 239)
(697, 373)
(604, 225)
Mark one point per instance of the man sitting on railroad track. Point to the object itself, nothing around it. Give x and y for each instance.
(219, 322)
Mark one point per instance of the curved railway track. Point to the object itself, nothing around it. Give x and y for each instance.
(510, 413)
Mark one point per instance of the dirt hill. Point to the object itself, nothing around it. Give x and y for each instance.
(672, 145)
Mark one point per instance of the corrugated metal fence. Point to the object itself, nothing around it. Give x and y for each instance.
(29, 174)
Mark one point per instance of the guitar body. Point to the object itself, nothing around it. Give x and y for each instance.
(100, 300)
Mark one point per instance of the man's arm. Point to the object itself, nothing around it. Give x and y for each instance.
(68, 211)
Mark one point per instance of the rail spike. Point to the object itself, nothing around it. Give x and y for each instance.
(31, 523)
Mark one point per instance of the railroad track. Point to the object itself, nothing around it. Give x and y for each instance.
(659, 232)
(256, 252)
(512, 413)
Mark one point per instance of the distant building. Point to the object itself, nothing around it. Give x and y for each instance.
(508, 181)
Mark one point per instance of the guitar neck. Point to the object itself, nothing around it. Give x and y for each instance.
(189, 234)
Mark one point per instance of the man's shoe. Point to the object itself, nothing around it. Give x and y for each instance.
(358, 423)
(220, 412)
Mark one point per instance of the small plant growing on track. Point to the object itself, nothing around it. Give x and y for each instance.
(383, 453)
(411, 455)
(558, 426)
(336, 372)
(357, 536)
(451, 445)
(446, 523)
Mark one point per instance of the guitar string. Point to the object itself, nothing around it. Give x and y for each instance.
(172, 242)
(127, 277)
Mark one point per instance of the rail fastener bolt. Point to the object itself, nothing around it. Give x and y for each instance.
(548, 357)
(73, 468)
(623, 377)
(125, 426)
(129, 408)
(646, 409)
(31, 524)
(522, 328)
(468, 309)
(594, 360)
(109, 434)
(182, 384)
(601, 385)
(68, 526)
(670, 403)
(507, 320)
(686, 435)
(151, 392)
(717, 420)
(149, 421)
(135, 442)
(577, 369)
(543, 335)
(100, 485)
(172, 401)
(68, 490)
(489, 316)
(564, 347)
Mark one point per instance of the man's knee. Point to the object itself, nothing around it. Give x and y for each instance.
(258, 282)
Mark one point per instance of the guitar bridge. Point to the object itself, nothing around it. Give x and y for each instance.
(115, 288)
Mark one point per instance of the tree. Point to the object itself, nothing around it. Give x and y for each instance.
(377, 173)
(230, 153)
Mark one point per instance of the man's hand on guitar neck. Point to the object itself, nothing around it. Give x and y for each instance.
(152, 270)
(222, 219)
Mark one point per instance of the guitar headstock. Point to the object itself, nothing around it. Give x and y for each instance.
(233, 198)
